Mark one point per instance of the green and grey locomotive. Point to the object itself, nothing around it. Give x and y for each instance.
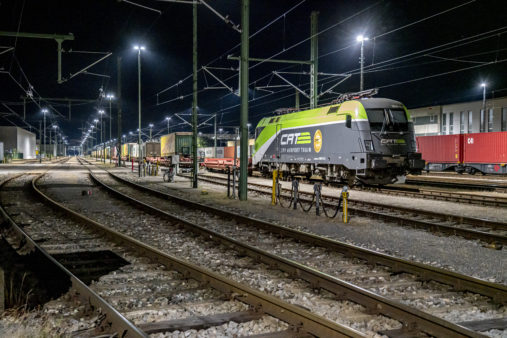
(370, 140)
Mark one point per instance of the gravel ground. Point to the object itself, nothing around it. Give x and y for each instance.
(449, 252)
(152, 230)
(143, 291)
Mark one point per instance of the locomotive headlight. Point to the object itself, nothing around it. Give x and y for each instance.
(368, 145)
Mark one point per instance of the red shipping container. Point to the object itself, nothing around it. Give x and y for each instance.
(229, 152)
(485, 148)
(441, 149)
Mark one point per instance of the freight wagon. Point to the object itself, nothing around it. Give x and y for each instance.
(470, 153)
(151, 149)
(179, 143)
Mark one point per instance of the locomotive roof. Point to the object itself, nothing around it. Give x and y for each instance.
(379, 102)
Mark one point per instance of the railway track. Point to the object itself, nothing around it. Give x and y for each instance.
(153, 284)
(368, 278)
(468, 227)
(443, 195)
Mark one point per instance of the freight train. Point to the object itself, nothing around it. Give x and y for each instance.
(484, 153)
(370, 140)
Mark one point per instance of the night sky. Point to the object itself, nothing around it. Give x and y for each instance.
(115, 26)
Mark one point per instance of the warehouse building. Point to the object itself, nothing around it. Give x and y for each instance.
(17, 142)
(461, 118)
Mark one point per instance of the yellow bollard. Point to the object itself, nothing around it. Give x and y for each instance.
(273, 194)
(345, 197)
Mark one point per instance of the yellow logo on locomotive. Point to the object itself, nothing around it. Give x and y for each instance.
(317, 141)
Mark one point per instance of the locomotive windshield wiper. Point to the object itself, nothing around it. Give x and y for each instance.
(384, 124)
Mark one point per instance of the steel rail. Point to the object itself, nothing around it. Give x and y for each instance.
(403, 221)
(410, 317)
(473, 184)
(497, 292)
(113, 320)
(301, 320)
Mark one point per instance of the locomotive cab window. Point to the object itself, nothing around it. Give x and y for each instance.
(399, 119)
(387, 119)
(377, 119)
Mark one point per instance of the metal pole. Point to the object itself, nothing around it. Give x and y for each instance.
(215, 139)
(139, 107)
(150, 133)
(361, 62)
(243, 156)
(118, 105)
(110, 132)
(314, 58)
(59, 49)
(168, 126)
(50, 143)
(297, 100)
(40, 141)
(194, 101)
(101, 142)
(44, 133)
(484, 105)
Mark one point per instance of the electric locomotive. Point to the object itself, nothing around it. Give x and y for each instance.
(370, 140)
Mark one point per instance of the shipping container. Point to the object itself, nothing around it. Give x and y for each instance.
(486, 152)
(229, 152)
(220, 152)
(441, 152)
(133, 150)
(176, 143)
(151, 149)
(125, 150)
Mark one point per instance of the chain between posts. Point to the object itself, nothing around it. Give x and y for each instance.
(316, 199)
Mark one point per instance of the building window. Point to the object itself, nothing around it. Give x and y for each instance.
(470, 121)
(490, 120)
(433, 119)
(504, 119)
(444, 124)
(462, 122)
(451, 123)
(483, 123)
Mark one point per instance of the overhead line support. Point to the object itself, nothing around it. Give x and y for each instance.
(195, 165)
(299, 62)
(314, 59)
(243, 73)
(59, 38)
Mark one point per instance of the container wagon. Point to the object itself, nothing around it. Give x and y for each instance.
(441, 152)
(466, 153)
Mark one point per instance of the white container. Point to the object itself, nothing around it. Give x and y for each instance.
(220, 152)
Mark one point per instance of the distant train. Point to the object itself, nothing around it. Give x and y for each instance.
(368, 139)
(465, 153)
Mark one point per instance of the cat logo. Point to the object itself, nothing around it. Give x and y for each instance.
(295, 138)
(317, 141)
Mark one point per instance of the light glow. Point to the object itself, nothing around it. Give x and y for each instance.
(361, 38)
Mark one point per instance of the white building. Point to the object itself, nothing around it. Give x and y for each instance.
(18, 142)
(460, 118)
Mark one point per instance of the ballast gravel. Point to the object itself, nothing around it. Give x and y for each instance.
(123, 217)
(449, 252)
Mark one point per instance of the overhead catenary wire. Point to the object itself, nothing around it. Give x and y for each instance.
(237, 45)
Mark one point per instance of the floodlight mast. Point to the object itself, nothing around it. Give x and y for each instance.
(139, 49)
(361, 38)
